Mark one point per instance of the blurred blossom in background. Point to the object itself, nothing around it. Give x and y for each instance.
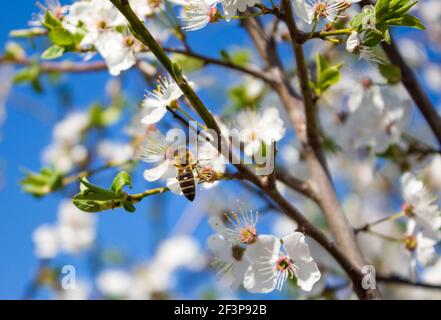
(81, 120)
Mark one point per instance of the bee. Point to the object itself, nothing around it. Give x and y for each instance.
(190, 172)
(185, 165)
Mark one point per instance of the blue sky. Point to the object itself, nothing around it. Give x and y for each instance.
(27, 130)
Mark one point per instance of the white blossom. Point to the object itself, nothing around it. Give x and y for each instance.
(46, 241)
(257, 128)
(76, 228)
(118, 50)
(231, 7)
(229, 245)
(156, 102)
(115, 152)
(53, 6)
(114, 283)
(419, 204)
(97, 16)
(271, 267)
(313, 10)
(199, 13)
(156, 149)
(354, 44)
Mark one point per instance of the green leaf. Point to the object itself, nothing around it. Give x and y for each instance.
(94, 206)
(43, 182)
(53, 52)
(93, 198)
(391, 73)
(122, 179)
(27, 74)
(187, 63)
(240, 57)
(50, 21)
(407, 20)
(326, 75)
(61, 37)
(372, 38)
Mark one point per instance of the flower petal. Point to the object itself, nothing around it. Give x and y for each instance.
(156, 172)
(307, 274)
(296, 246)
(153, 113)
(173, 185)
(262, 276)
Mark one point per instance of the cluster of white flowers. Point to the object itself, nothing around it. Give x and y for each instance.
(373, 118)
(313, 10)
(66, 151)
(254, 130)
(155, 277)
(424, 220)
(258, 261)
(73, 233)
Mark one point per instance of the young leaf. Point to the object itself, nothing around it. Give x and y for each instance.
(43, 182)
(61, 37)
(53, 52)
(391, 73)
(122, 179)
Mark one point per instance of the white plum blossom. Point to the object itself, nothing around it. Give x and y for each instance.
(146, 8)
(314, 10)
(231, 7)
(53, 6)
(375, 118)
(157, 276)
(199, 13)
(115, 152)
(156, 102)
(66, 150)
(271, 267)
(64, 157)
(419, 204)
(354, 44)
(73, 233)
(69, 130)
(46, 242)
(230, 243)
(76, 228)
(114, 283)
(118, 50)
(100, 18)
(157, 149)
(97, 16)
(257, 128)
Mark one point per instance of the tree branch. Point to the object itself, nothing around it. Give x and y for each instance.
(320, 180)
(351, 268)
(394, 279)
(208, 60)
(65, 66)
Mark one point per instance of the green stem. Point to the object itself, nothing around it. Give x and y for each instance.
(367, 227)
(143, 35)
(137, 197)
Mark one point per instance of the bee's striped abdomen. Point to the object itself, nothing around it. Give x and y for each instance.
(186, 182)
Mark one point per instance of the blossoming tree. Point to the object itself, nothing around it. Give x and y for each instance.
(319, 127)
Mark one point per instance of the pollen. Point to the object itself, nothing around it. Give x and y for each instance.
(410, 242)
(284, 263)
(248, 235)
(407, 209)
(320, 10)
